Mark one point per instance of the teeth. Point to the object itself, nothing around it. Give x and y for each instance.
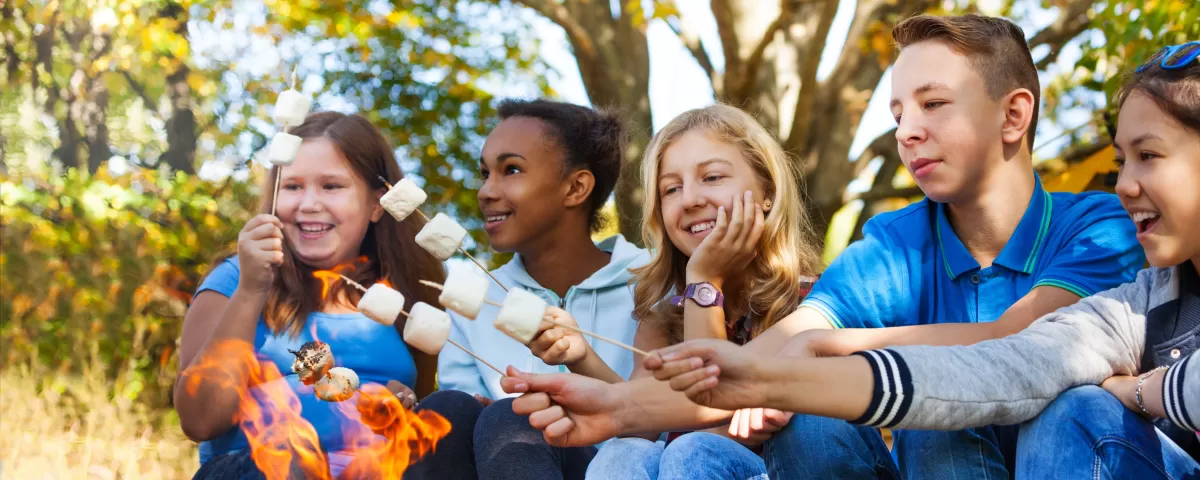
(700, 227)
(496, 218)
(1139, 217)
(314, 228)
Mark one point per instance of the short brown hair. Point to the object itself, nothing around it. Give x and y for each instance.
(995, 47)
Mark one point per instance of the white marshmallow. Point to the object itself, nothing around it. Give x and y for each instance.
(382, 304)
(464, 292)
(340, 384)
(427, 328)
(291, 108)
(521, 315)
(283, 148)
(404, 197)
(441, 236)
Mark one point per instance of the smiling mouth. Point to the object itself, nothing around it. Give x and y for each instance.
(702, 227)
(1145, 221)
(496, 218)
(314, 230)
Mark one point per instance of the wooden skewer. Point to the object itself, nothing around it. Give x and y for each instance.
(460, 249)
(568, 327)
(465, 349)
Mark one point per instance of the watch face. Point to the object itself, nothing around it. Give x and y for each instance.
(706, 295)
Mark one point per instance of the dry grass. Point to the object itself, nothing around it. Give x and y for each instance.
(58, 426)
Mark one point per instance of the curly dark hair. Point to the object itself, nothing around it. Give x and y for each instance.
(590, 139)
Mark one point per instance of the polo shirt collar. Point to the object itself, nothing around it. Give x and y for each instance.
(1020, 253)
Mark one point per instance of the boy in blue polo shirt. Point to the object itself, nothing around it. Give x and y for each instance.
(988, 251)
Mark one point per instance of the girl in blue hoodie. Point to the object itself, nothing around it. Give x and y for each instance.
(547, 169)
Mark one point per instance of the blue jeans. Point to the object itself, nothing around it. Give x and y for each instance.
(493, 442)
(696, 455)
(820, 447)
(984, 453)
(1087, 433)
(808, 447)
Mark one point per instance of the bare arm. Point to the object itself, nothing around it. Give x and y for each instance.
(655, 407)
(1037, 303)
(427, 366)
(703, 322)
(214, 321)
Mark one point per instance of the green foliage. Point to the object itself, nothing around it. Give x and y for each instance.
(99, 271)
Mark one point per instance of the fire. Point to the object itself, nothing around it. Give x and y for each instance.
(389, 437)
(383, 437)
(328, 278)
(280, 439)
(384, 282)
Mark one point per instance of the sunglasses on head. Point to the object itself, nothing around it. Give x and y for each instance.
(1173, 57)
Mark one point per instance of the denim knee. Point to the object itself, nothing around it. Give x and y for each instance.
(628, 459)
(708, 455)
(459, 408)
(812, 446)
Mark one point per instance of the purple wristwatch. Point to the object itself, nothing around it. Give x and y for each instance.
(704, 294)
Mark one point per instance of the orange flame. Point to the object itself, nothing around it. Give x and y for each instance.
(327, 278)
(407, 436)
(280, 439)
(384, 282)
(383, 436)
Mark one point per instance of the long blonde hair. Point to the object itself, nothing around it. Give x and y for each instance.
(787, 251)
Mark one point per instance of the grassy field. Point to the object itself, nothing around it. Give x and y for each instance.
(71, 427)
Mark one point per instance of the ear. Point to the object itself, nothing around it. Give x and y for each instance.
(1018, 116)
(579, 187)
(377, 210)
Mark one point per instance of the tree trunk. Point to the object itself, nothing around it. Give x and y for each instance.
(181, 126)
(95, 109)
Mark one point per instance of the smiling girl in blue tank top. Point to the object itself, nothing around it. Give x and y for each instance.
(327, 215)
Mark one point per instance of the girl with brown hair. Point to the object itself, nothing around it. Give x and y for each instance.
(267, 298)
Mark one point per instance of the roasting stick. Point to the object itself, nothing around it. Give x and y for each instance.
(278, 168)
(552, 322)
(452, 342)
(460, 249)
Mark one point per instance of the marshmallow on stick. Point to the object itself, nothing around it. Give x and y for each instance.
(283, 148)
(429, 332)
(464, 293)
(313, 361)
(441, 237)
(292, 106)
(381, 303)
(427, 328)
(404, 198)
(516, 318)
(339, 385)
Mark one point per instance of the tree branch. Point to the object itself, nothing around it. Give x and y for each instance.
(693, 44)
(1073, 21)
(137, 88)
(1079, 153)
(750, 66)
(576, 32)
(884, 145)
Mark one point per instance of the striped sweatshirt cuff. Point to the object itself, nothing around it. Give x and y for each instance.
(893, 393)
(1178, 410)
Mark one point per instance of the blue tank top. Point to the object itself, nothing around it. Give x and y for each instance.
(375, 352)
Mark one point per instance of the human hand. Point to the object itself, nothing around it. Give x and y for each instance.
(753, 426)
(406, 396)
(731, 244)
(571, 410)
(260, 253)
(556, 345)
(713, 373)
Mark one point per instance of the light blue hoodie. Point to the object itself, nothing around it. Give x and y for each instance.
(603, 303)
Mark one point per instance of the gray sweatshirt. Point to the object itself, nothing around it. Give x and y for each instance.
(1010, 380)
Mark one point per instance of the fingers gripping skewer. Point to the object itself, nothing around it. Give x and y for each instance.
(452, 342)
(460, 248)
(552, 322)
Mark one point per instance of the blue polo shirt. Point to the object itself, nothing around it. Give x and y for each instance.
(910, 268)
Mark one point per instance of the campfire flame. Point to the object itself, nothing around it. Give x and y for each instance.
(281, 441)
(383, 437)
(406, 436)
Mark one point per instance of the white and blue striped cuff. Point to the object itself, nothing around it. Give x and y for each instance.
(892, 396)
(1174, 399)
